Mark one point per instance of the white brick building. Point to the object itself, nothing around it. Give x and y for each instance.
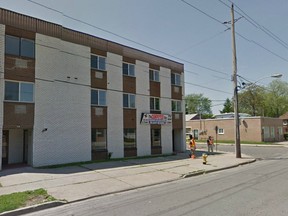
(67, 96)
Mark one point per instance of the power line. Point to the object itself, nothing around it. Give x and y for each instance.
(127, 39)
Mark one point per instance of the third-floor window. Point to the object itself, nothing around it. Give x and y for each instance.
(175, 79)
(128, 69)
(98, 62)
(154, 75)
(19, 46)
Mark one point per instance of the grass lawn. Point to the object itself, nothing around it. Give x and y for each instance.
(22, 199)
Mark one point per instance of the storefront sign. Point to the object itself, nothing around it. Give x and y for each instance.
(159, 119)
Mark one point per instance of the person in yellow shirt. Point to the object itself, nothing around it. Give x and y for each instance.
(192, 146)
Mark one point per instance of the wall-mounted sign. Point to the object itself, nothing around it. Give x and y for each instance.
(159, 119)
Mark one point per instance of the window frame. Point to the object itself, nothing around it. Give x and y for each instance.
(21, 45)
(98, 62)
(98, 97)
(221, 131)
(174, 80)
(134, 144)
(94, 146)
(20, 92)
(178, 104)
(129, 102)
(130, 72)
(154, 108)
(152, 75)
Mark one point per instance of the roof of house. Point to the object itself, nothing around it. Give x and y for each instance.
(284, 116)
(190, 116)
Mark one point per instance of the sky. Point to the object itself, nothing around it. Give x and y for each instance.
(187, 31)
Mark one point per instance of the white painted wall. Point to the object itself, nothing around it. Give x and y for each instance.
(62, 102)
(142, 106)
(165, 106)
(2, 58)
(15, 154)
(115, 105)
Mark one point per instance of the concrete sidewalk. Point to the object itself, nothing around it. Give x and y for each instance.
(81, 182)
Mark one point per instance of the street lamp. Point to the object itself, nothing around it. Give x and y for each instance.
(236, 111)
(277, 75)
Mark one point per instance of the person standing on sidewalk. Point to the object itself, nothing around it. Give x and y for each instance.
(210, 144)
(192, 146)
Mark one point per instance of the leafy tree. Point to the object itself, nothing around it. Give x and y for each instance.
(228, 106)
(197, 103)
(276, 99)
(251, 100)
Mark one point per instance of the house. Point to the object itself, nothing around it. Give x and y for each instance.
(67, 96)
(252, 129)
(284, 117)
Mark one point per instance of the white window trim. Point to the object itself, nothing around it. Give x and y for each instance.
(154, 71)
(98, 90)
(176, 74)
(154, 103)
(98, 56)
(129, 73)
(19, 93)
(219, 131)
(177, 101)
(129, 102)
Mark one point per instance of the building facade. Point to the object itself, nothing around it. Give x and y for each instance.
(284, 118)
(67, 96)
(252, 129)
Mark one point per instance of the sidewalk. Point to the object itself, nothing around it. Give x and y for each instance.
(82, 182)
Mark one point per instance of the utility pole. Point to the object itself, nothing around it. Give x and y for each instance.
(234, 79)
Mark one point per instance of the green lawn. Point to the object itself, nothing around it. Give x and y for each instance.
(22, 199)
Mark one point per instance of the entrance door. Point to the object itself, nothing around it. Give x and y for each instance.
(25, 146)
(5, 141)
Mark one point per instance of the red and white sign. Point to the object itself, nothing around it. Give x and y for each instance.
(159, 119)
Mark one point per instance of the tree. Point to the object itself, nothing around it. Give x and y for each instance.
(276, 100)
(197, 103)
(228, 106)
(251, 100)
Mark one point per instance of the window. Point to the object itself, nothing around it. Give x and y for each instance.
(98, 62)
(99, 139)
(272, 132)
(19, 91)
(266, 132)
(130, 138)
(220, 131)
(280, 131)
(155, 137)
(128, 69)
(128, 100)
(154, 75)
(175, 79)
(19, 46)
(154, 103)
(176, 106)
(98, 97)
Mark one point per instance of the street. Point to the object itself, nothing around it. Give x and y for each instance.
(259, 188)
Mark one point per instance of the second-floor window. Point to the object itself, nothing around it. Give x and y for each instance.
(154, 103)
(154, 75)
(98, 62)
(128, 69)
(176, 106)
(98, 97)
(19, 46)
(175, 79)
(129, 100)
(19, 91)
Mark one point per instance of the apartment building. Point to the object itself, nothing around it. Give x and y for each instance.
(67, 96)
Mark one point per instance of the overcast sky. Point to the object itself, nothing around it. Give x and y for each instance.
(190, 32)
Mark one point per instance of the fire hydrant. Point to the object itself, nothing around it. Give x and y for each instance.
(204, 157)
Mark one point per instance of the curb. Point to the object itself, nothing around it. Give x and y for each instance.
(200, 172)
(30, 209)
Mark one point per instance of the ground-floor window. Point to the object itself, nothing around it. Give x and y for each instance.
(99, 139)
(155, 137)
(129, 138)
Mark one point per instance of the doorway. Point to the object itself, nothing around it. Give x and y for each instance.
(5, 147)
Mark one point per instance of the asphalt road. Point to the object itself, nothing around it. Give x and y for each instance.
(259, 188)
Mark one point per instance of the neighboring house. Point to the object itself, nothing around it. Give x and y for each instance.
(284, 118)
(255, 129)
(68, 96)
(230, 115)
